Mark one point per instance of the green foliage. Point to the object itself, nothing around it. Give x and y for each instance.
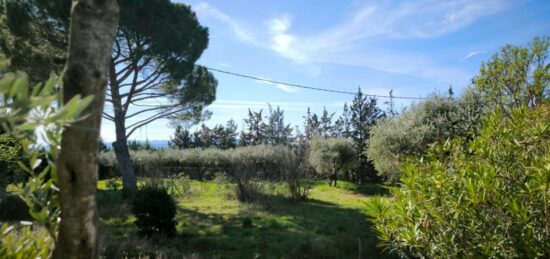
(17, 103)
(411, 133)
(516, 76)
(481, 198)
(332, 156)
(363, 115)
(255, 161)
(155, 210)
(11, 154)
(20, 242)
(138, 145)
(31, 37)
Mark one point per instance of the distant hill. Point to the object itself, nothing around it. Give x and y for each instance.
(158, 143)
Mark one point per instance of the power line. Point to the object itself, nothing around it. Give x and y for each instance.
(308, 87)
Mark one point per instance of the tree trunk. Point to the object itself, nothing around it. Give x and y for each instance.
(129, 184)
(92, 34)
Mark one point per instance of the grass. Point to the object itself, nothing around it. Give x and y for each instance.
(211, 223)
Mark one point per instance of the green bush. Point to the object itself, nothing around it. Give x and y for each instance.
(155, 210)
(261, 161)
(435, 120)
(480, 198)
(11, 153)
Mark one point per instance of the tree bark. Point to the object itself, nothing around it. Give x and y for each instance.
(91, 35)
(129, 183)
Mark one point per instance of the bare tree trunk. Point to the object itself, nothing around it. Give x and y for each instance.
(129, 184)
(92, 34)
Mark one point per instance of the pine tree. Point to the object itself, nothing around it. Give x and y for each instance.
(364, 115)
(311, 125)
(181, 139)
(277, 133)
(256, 128)
(325, 124)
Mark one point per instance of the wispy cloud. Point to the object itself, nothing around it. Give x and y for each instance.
(242, 33)
(358, 39)
(286, 88)
(471, 54)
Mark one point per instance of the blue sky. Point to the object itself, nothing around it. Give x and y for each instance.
(412, 47)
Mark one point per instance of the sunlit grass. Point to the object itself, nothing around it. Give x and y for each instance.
(212, 223)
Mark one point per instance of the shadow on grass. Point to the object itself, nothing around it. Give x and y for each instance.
(307, 229)
(364, 189)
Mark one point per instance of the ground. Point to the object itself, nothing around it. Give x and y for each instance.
(211, 223)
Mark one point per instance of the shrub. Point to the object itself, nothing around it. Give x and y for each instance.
(155, 211)
(11, 153)
(480, 198)
(259, 161)
(248, 190)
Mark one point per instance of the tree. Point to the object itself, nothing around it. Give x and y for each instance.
(256, 128)
(276, 131)
(331, 156)
(92, 33)
(325, 124)
(34, 37)
(364, 114)
(181, 139)
(516, 76)
(153, 58)
(436, 119)
(229, 135)
(311, 125)
(342, 126)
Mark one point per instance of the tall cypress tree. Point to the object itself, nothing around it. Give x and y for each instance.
(364, 115)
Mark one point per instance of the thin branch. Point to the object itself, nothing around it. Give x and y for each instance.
(142, 123)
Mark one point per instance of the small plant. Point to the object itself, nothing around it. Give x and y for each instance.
(155, 210)
(248, 190)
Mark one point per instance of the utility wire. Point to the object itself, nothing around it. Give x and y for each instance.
(308, 87)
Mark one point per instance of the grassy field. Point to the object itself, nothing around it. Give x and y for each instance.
(211, 223)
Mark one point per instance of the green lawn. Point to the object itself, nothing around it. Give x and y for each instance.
(213, 224)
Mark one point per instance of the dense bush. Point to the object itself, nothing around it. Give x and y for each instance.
(155, 210)
(331, 157)
(439, 118)
(11, 153)
(255, 161)
(480, 198)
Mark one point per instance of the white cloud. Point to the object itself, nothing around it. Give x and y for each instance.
(286, 88)
(470, 54)
(242, 33)
(359, 38)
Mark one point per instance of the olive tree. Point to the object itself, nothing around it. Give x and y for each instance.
(437, 119)
(331, 157)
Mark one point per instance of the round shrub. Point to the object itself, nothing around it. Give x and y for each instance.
(155, 210)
